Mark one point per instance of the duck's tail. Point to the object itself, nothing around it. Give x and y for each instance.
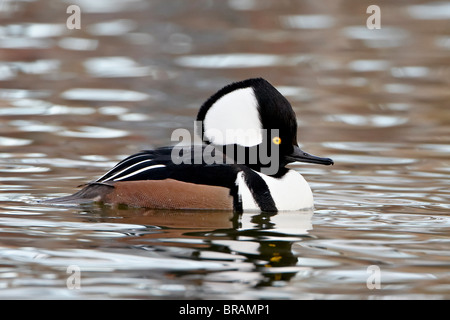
(90, 193)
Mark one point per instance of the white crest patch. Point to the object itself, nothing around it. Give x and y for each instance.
(234, 119)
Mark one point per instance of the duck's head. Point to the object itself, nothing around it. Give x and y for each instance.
(253, 115)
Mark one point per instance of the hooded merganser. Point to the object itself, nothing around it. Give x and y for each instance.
(244, 118)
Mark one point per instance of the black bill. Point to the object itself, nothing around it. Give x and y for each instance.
(302, 156)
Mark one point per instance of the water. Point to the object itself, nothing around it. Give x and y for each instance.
(74, 102)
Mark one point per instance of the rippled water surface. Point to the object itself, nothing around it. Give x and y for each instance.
(74, 102)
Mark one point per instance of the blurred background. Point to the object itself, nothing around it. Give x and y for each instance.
(73, 102)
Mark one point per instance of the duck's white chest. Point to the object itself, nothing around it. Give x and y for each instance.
(290, 192)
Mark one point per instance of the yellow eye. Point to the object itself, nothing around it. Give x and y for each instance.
(276, 140)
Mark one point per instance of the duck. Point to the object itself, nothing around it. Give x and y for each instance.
(248, 135)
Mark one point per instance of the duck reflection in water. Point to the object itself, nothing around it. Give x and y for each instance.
(263, 239)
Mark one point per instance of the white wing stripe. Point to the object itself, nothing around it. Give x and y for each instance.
(141, 170)
(127, 168)
(119, 164)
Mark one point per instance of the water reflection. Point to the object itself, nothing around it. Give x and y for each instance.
(235, 60)
(369, 120)
(78, 44)
(111, 67)
(308, 21)
(94, 133)
(109, 6)
(112, 28)
(261, 239)
(439, 10)
(386, 37)
(266, 241)
(103, 95)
